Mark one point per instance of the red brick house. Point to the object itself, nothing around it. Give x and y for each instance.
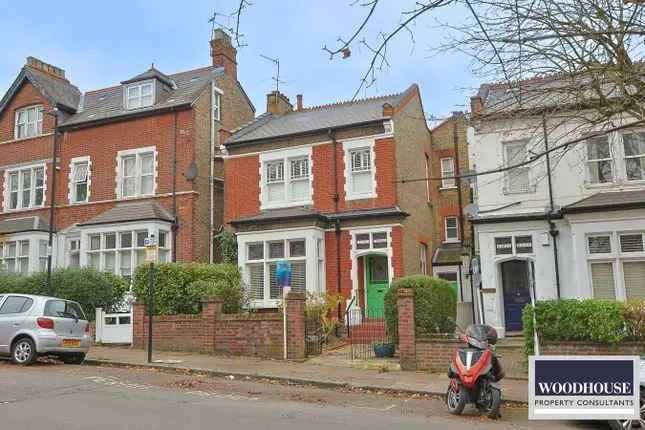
(132, 160)
(320, 189)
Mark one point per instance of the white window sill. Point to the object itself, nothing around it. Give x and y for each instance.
(80, 202)
(451, 241)
(454, 187)
(31, 208)
(265, 304)
(142, 196)
(361, 196)
(20, 139)
(279, 205)
(591, 185)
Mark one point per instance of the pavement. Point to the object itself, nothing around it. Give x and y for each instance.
(316, 372)
(55, 396)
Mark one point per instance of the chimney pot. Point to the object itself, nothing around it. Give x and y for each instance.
(299, 101)
(223, 53)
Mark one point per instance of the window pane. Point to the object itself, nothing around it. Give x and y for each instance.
(299, 190)
(275, 172)
(598, 148)
(255, 251)
(524, 244)
(256, 281)
(94, 260)
(129, 187)
(634, 144)
(141, 238)
(299, 276)
(24, 248)
(109, 262)
(162, 239)
(634, 273)
(503, 245)
(11, 250)
(635, 168)
(276, 249)
(299, 168)
(275, 192)
(125, 263)
(602, 281)
(275, 292)
(600, 172)
(110, 241)
(297, 248)
(80, 172)
(147, 185)
(599, 244)
(42, 248)
(361, 160)
(379, 240)
(362, 241)
(147, 164)
(129, 165)
(631, 243)
(126, 240)
(361, 182)
(95, 242)
(80, 192)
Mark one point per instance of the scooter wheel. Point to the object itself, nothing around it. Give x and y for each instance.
(493, 404)
(456, 399)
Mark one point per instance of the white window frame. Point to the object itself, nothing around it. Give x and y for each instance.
(33, 168)
(285, 157)
(37, 123)
(138, 153)
(314, 259)
(526, 170)
(590, 161)
(513, 238)
(74, 162)
(456, 239)
(632, 157)
(447, 173)
(616, 257)
(423, 258)
(152, 228)
(349, 148)
(216, 103)
(136, 102)
(32, 257)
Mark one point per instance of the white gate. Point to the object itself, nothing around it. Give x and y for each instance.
(114, 327)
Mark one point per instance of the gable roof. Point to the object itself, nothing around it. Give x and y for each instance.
(317, 118)
(58, 92)
(107, 103)
(131, 211)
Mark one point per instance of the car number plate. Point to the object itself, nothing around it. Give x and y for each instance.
(71, 343)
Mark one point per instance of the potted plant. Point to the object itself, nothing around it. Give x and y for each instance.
(384, 349)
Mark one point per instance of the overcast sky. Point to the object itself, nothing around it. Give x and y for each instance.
(102, 43)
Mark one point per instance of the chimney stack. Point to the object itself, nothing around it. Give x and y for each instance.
(223, 53)
(51, 70)
(475, 105)
(278, 103)
(299, 102)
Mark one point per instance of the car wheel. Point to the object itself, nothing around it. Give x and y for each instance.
(631, 424)
(73, 358)
(23, 351)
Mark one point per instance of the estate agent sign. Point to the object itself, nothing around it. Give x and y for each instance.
(584, 388)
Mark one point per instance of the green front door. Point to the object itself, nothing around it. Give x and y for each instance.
(377, 282)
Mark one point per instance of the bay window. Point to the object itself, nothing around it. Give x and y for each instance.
(14, 256)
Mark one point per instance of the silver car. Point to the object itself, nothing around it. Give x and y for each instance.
(36, 325)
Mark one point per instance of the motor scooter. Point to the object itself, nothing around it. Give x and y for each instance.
(475, 373)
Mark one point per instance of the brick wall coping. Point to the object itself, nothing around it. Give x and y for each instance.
(176, 317)
(252, 317)
(293, 295)
(438, 339)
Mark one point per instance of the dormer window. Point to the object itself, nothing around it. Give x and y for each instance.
(140, 95)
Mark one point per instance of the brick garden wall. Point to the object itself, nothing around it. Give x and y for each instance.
(213, 332)
(590, 348)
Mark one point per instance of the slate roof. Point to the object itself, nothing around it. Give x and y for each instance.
(131, 211)
(613, 200)
(57, 91)
(108, 103)
(151, 73)
(316, 118)
(19, 225)
(295, 213)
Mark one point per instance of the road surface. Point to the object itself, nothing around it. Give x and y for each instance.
(49, 396)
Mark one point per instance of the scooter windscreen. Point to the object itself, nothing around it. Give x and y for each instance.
(482, 333)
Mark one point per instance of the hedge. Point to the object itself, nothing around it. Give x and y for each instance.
(180, 287)
(435, 306)
(592, 320)
(88, 287)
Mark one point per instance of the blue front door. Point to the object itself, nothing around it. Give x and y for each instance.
(515, 285)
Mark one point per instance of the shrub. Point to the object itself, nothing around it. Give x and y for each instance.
(88, 287)
(323, 307)
(634, 313)
(180, 287)
(435, 306)
(575, 320)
